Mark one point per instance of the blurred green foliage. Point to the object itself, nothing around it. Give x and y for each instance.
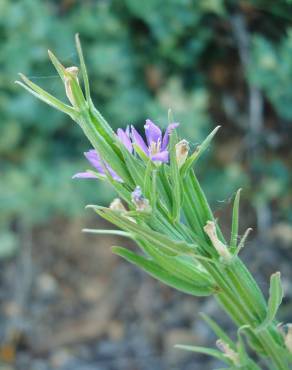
(143, 57)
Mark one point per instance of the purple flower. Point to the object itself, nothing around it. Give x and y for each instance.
(156, 146)
(94, 159)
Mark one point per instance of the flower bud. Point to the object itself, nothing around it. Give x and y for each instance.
(141, 203)
(117, 205)
(181, 150)
(72, 73)
(228, 352)
(210, 230)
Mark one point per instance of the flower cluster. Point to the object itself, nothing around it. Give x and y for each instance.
(155, 148)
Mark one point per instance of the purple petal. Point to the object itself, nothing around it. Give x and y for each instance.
(160, 157)
(165, 140)
(153, 132)
(94, 159)
(84, 175)
(138, 140)
(124, 138)
(113, 174)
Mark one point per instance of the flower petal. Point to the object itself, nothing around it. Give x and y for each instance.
(161, 157)
(84, 175)
(94, 159)
(138, 140)
(153, 132)
(124, 138)
(113, 174)
(165, 140)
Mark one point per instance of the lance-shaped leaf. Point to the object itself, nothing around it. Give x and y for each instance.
(175, 178)
(180, 266)
(245, 361)
(105, 150)
(218, 331)
(58, 65)
(276, 295)
(198, 152)
(204, 350)
(242, 241)
(235, 217)
(46, 97)
(135, 167)
(83, 68)
(143, 232)
(162, 275)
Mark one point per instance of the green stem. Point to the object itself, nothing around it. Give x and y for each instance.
(265, 336)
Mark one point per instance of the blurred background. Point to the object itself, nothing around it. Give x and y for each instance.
(65, 301)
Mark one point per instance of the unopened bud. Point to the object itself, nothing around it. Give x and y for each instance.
(141, 203)
(228, 352)
(288, 337)
(181, 150)
(117, 205)
(72, 73)
(210, 230)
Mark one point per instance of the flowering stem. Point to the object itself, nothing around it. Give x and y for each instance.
(169, 217)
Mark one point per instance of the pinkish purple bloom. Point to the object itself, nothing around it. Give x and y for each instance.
(155, 148)
(94, 159)
(156, 144)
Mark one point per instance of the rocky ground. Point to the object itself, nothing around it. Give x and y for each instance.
(67, 303)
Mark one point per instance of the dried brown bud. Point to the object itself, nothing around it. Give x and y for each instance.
(228, 352)
(182, 150)
(210, 230)
(117, 205)
(72, 73)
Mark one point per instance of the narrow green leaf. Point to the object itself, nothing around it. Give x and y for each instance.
(179, 266)
(107, 232)
(58, 66)
(46, 97)
(175, 178)
(135, 167)
(153, 197)
(146, 233)
(83, 68)
(204, 350)
(198, 152)
(242, 241)
(218, 331)
(245, 361)
(103, 147)
(160, 274)
(235, 217)
(276, 295)
(141, 153)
